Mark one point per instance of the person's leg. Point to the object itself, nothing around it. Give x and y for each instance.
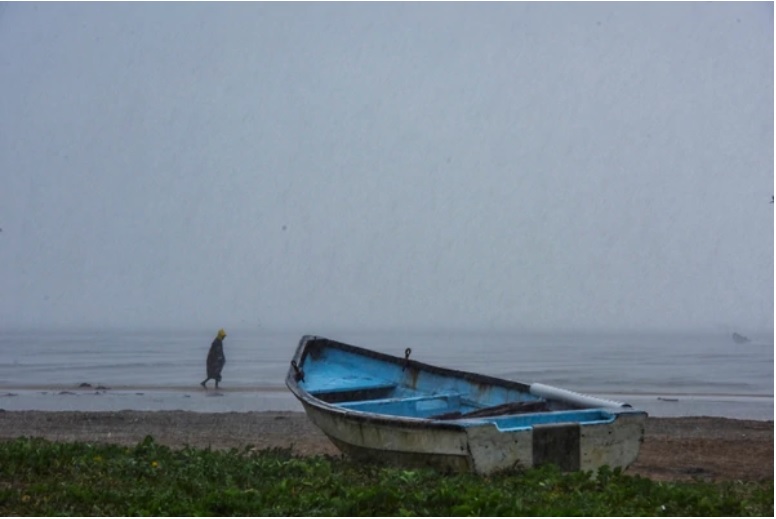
(204, 383)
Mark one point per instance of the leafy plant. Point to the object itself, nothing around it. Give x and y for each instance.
(42, 478)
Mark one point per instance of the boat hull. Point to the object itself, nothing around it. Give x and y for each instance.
(396, 443)
(484, 449)
(578, 433)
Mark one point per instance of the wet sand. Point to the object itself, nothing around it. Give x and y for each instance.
(717, 449)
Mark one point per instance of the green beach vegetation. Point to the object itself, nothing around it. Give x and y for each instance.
(43, 478)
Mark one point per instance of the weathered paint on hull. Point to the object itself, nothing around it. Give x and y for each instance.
(483, 449)
(394, 443)
(443, 462)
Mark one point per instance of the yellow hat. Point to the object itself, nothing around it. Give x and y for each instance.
(221, 333)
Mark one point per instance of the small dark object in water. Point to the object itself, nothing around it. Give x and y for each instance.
(666, 399)
(102, 388)
(84, 384)
(740, 339)
(65, 393)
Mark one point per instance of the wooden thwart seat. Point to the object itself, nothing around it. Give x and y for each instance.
(347, 390)
(496, 410)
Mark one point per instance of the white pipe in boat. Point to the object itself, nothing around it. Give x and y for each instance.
(578, 399)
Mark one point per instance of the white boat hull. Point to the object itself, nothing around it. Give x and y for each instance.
(483, 448)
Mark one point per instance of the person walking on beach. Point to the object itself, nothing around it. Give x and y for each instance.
(215, 359)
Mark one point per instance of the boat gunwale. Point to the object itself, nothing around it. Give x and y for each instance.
(422, 366)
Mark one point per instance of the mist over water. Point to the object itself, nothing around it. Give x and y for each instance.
(398, 165)
(458, 168)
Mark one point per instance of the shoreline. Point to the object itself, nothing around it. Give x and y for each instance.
(674, 449)
(86, 388)
(100, 398)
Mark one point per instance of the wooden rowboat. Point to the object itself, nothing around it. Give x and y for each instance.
(378, 407)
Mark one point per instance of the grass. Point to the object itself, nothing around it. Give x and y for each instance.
(42, 478)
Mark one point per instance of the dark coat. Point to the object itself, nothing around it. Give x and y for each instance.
(215, 359)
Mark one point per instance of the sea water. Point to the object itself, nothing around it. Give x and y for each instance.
(665, 374)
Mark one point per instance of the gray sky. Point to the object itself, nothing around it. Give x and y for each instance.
(387, 165)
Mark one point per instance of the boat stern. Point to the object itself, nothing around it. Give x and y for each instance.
(574, 441)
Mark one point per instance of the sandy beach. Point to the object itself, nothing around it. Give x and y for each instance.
(717, 449)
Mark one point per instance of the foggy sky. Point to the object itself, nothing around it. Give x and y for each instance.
(387, 165)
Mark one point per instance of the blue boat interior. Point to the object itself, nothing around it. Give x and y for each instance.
(374, 385)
